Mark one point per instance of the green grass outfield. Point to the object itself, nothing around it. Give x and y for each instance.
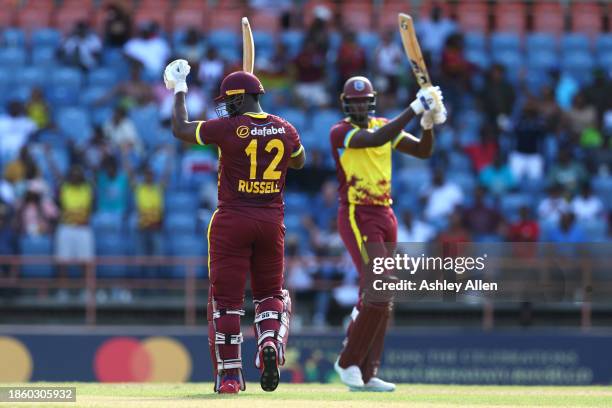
(321, 395)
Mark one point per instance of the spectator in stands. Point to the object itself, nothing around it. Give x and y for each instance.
(82, 48)
(274, 75)
(8, 238)
(191, 48)
(149, 48)
(318, 32)
(15, 130)
(581, 117)
(598, 93)
(587, 206)
(117, 26)
(388, 57)
(37, 108)
(550, 110)
(351, 58)
(483, 153)
(211, 70)
(112, 187)
(133, 92)
(566, 230)
(526, 161)
(567, 172)
(326, 203)
(95, 150)
(554, 205)
(456, 69)
(482, 219)
(456, 232)
(310, 76)
(7, 191)
(497, 97)
(497, 177)
(74, 238)
(526, 229)
(121, 132)
(414, 229)
(433, 32)
(441, 197)
(15, 170)
(36, 215)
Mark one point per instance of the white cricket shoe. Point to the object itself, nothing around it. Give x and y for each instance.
(375, 385)
(350, 376)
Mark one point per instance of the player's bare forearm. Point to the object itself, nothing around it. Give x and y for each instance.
(181, 127)
(423, 149)
(384, 134)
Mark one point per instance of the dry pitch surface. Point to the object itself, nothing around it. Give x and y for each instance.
(321, 395)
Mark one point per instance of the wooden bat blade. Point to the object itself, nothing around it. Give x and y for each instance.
(413, 50)
(248, 47)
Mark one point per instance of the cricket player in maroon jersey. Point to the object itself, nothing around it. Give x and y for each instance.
(246, 233)
(361, 146)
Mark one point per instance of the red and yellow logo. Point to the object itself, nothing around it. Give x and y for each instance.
(243, 131)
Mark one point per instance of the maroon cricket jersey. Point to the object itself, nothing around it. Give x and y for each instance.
(254, 153)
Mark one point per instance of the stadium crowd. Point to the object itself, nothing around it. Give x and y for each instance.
(89, 165)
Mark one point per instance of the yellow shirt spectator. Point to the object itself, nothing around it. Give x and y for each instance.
(150, 205)
(76, 201)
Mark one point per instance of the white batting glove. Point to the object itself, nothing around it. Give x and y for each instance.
(440, 115)
(426, 99)
(175, 75)
(427, 120)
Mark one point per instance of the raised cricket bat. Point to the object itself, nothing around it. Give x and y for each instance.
(248, 47)
(413, 50)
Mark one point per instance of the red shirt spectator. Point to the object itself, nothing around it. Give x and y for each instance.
(351, 58)
(524, 230)
(484, 152)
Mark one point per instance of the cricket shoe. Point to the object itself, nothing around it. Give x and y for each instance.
(375, 385)
(230, 384)
(350, 376)
(270, 375)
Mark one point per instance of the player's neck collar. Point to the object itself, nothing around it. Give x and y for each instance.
(256, 115)
(348, 119)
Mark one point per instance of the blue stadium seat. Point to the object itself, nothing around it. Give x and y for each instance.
(100, 115)
(297, 202)
(182, 202)
(226, 42)
(102, 77)
(111, 245)
(18, 93)
(32, 76)
(471, 119)
(294, 116)
(264, 43)
(542, 60)
(186, 246)
(146, 119)
(322, 122)
(465, 180)
(602, 186)
(459, 162)
(603, 43)
(179, 223)
(293, 41)
(44, 57)
(89, 96)
(575, 42)
(13, 37)
(368, 40)
(604, 59)
(67, 77)
(578, 64)
(512, 202)
(12, 57)
(511, 60)
(594, 230)
(62, 97)
(475, 41)
(36, 246)
(478, 57)
(505, 41)
(106, 223)
(74, 123)
(540, 41)
(46, 37)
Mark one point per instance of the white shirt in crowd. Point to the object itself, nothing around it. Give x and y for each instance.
(151, 52)
(587, 209)
(442, 200)
(551, 209)
(14, 133)
(419, 232)
(86, 48)
(388, 57)
(122, 133)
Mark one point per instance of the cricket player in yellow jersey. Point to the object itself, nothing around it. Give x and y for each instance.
(362, 145)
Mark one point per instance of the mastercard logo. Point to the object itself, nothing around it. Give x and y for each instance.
(243, 131)
(154, 359)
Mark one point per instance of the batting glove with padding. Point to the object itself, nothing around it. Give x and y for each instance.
(427, 120)
(426, 99)
(175, 75)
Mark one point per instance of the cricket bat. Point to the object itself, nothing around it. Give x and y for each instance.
(413, 50)
(248, 47)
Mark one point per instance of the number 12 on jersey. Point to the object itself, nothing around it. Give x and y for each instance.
(271, 173)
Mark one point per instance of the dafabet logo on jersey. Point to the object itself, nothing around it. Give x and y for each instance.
(242, 131)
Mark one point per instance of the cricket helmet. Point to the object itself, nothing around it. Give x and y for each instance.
(358, 98)
(239, 83)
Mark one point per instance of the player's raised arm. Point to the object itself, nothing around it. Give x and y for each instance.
(425, 101)
(423, 148)
(175, 78)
